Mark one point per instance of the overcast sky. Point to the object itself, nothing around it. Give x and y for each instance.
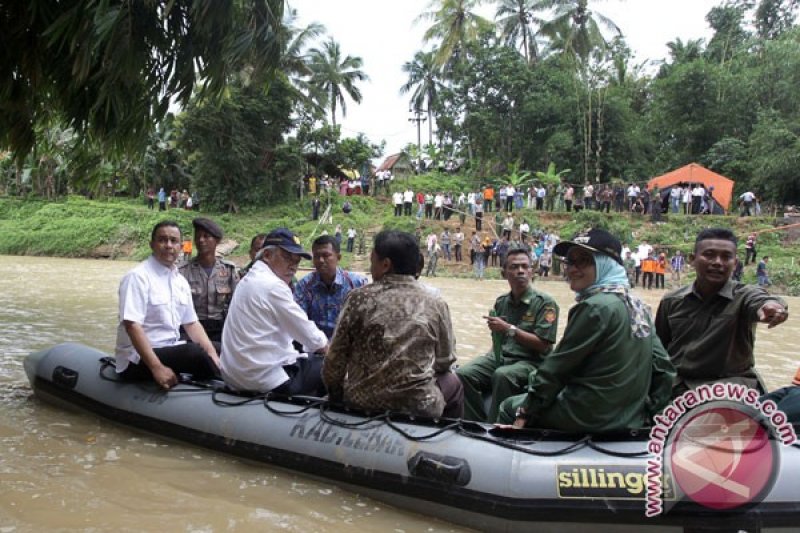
(383, 34)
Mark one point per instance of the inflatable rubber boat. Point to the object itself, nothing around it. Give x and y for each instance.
(470, 474)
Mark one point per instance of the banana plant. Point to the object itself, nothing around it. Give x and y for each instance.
(515, 177)
(551, 177)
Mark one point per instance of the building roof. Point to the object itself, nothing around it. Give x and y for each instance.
(399, 161)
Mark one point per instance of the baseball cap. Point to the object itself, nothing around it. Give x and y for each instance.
(209, 226)
(287, 240)
(595, 240)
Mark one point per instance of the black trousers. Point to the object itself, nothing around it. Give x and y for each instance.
(305, 377)
(187, 358)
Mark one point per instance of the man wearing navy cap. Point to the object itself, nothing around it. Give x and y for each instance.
(262, 322)
(211, 278)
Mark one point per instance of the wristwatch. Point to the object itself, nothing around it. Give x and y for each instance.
(521, 413)
(512, 331)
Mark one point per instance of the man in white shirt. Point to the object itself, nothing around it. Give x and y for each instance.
(397, 201)
(524, 231)
(264, 319)
(438, 204)
(675, 199)
(698, 193)
(747, 200)
(633, 194)
(154, 301)
(408, 199)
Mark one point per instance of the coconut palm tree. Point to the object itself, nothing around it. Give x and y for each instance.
(454, 25)
(295, 62)
(576, 26)
(515, 19)
(423, 85)
(334, 74)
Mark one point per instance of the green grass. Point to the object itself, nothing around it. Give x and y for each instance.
(76, 227)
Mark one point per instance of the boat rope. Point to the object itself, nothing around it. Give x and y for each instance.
(519, 443)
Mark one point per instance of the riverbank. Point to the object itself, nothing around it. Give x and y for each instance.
(120, 229)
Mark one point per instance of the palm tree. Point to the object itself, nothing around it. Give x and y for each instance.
(578, 27)
(295, 62)
(515, 18)
(333, 74)
(454, 25)
(423, 85)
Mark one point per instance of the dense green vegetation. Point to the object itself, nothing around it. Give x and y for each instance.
(545, 82)
(120, 228)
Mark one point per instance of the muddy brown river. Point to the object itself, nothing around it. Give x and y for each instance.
(64, 471)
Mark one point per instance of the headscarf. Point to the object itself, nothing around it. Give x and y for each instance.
(612, 278)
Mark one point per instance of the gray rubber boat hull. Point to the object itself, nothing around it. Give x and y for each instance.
(464, 474)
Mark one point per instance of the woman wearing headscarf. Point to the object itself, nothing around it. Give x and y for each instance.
(609, 371)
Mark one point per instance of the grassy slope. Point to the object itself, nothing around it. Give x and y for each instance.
(76, 227)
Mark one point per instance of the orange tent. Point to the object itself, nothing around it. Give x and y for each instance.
(694, 173)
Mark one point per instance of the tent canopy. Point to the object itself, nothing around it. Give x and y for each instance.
(694, 173)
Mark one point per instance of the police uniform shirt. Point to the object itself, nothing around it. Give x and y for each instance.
(211, 293)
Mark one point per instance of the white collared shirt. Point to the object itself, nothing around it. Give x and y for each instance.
(262, 322)
(158, 298)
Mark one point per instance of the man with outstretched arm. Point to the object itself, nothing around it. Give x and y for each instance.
(154, 302)
(708, 327)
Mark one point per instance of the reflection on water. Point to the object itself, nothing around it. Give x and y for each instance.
(73, 471)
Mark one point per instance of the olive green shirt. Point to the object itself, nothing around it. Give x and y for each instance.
(600, 377)
(713, 339)
(537, 313)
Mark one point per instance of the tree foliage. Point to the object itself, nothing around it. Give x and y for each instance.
(111, 68)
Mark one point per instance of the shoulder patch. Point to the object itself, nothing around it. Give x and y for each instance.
(550, 315)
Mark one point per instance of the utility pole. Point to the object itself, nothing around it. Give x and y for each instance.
(419, 119)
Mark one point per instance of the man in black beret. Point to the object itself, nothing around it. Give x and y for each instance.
(211, 278)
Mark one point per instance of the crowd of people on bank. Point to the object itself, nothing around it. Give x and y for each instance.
(388, 343)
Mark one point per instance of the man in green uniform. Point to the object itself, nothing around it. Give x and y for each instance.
(212, 279)
(609, 371)
(523, 325)
(708, 327)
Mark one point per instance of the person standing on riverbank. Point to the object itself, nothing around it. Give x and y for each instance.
(708, 327)
(211, 278)
(154, 302)
(523, 324)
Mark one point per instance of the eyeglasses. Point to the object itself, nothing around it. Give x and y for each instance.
(581, 261)
(289, 257)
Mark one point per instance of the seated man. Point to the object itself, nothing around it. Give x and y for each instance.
(321, 293)
(154, 301)
(262, 322)
(523, 325)
(787, 399)
(708, 327)
(211, 278)
(394, 345)
(609, 371)
(256, 245)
